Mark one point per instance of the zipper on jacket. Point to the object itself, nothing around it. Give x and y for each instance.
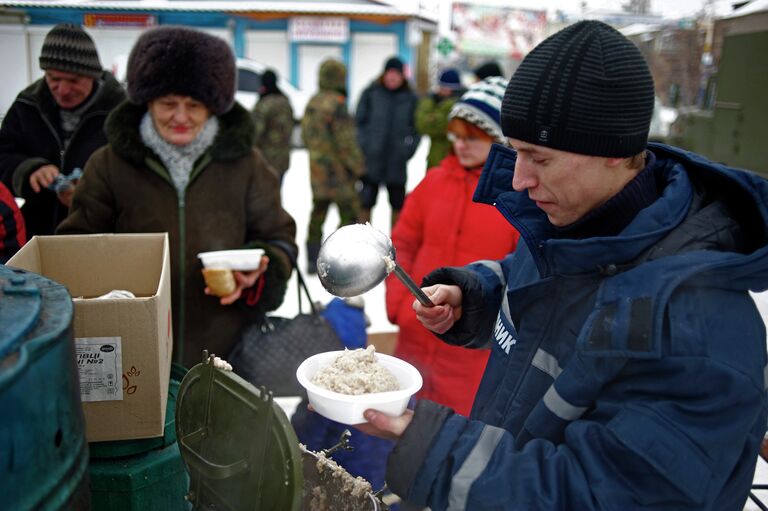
(62, 151)
(163, 173)
(182, 273)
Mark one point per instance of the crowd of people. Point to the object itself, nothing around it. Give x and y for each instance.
(592, 344)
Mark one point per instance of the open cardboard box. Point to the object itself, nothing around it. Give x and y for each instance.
(123, 346)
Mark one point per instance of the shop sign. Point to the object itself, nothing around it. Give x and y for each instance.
(119, 20)
(318, 29)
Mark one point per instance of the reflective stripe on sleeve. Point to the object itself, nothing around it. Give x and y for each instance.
(560, 407)
(547, 363)
(473, 466)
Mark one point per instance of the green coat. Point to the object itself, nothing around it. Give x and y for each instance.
(328, 131)
(431, 119)
(273, 118)
(232, 201)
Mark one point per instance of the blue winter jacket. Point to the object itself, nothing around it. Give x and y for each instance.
(626, 372)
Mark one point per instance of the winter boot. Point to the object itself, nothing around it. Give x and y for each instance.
(363, 216)
(395, 216)
(313, 248)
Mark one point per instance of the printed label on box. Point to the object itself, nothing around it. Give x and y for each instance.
(100, 366)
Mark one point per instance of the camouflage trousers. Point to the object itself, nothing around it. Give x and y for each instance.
(348, 203)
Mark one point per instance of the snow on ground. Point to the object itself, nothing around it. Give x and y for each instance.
(297, 199)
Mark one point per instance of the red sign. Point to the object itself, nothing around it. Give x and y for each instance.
(119, 20)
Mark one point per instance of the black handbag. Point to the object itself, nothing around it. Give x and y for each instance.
(270, 351)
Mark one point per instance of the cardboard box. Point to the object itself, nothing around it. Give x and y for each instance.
(123, 345)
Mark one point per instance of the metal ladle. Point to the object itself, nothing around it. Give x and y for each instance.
(356, 258)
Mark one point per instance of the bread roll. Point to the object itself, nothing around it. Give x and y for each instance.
(220, 281)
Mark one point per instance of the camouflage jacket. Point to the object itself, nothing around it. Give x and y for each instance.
(431, 118)
(273, 117)
(329, 133)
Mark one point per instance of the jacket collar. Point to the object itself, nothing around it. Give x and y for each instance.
(676, 169)
(109, 93)
(234, 140)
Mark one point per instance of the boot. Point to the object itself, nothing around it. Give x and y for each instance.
(364, 216)
(395, 216)
(313, 248)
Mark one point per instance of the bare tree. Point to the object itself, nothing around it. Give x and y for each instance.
(637, 6)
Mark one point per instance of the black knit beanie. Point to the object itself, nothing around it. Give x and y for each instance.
(394, 63)
(69, 48)
(183, 61)
(490, 68)
(586, 89)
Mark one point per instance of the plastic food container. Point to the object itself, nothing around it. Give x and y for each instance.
(240, 260)
(348, 409)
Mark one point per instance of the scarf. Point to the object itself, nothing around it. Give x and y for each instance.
(178, 159)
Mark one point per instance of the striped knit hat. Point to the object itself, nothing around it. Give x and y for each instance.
(586, 89)
(69, 48)
(480, 106)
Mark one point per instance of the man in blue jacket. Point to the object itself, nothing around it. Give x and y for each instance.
(628, 359)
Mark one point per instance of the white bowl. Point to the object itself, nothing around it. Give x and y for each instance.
(240, 260)
(348, 409)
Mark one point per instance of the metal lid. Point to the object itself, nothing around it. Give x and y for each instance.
(22, 308)
(237, 444)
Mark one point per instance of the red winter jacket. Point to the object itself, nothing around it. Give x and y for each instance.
(12, 232)
(441, 226)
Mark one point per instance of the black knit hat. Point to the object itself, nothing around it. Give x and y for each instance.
(183, 61)
(69, 48)
(490, 68)
(394, 63)
(586, 89)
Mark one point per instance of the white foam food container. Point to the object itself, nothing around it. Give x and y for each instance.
(348, 409)
(240, 260)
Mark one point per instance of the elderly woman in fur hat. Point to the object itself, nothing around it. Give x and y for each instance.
(180, 160)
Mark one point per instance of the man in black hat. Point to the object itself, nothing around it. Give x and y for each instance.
(387, 136)
(627, 366)
(54, 125)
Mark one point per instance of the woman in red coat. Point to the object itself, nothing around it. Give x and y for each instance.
(441, 226)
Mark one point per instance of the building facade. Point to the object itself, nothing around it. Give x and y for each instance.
(291, 37)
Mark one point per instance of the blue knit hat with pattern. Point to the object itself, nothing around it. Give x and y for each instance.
(481, 105)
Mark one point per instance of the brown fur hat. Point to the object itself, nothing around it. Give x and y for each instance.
(183, 61)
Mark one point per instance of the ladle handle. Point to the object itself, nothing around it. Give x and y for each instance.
(412, 287)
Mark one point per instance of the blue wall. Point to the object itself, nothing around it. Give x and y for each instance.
(239, 26)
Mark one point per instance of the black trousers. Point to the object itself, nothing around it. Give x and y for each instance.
(370, 192)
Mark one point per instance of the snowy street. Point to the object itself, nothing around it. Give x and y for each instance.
(297, 200)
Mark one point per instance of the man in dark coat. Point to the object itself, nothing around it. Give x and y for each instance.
(54, 125)
(387, 135)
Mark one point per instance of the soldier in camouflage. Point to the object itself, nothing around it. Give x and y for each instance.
(273, 117)
(335, 159)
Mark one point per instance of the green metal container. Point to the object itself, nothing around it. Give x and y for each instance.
(43, 452)
(145, 474)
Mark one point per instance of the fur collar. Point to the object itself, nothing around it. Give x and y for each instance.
(235, 138)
